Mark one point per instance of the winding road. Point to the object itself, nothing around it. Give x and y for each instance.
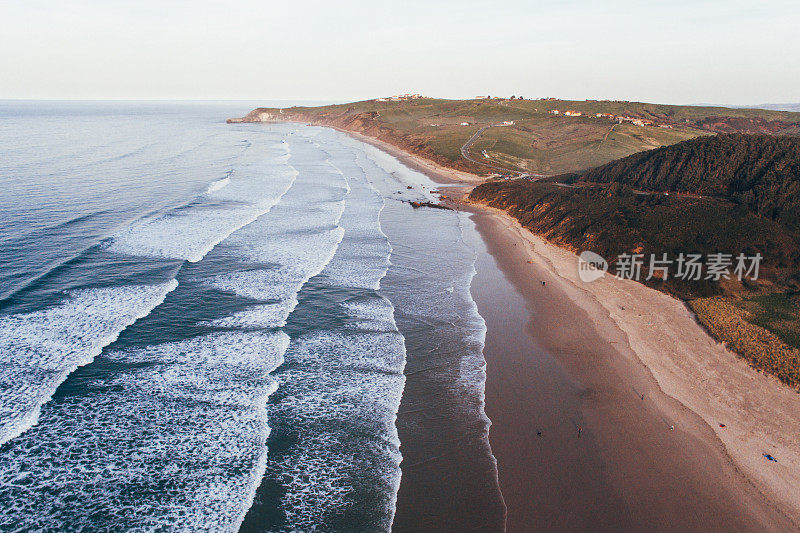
(471, 141)
(465, 154)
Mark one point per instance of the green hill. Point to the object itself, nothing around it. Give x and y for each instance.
(759, 172)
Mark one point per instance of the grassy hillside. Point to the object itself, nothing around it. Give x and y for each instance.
(537, 141)
(760, 172)
(730, 194)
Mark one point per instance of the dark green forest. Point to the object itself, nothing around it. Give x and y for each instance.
(760, 172)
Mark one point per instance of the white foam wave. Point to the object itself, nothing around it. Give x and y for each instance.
(342, 388)
(370, 315)
(40, 349)
(298, 259)
(191, 232)
(175, 440)
(344, 385)
(272, 315)
(217, 185)
(363, 256)
(299, 238)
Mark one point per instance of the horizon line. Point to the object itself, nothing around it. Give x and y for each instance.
(343, 101)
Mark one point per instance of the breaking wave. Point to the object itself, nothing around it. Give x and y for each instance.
(40, 349)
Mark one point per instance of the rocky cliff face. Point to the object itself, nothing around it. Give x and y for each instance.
(258, 115)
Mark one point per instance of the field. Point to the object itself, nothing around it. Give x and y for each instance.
(556, 145)
(763, 329)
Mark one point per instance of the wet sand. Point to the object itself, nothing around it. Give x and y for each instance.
(549, 466)
(449, 477)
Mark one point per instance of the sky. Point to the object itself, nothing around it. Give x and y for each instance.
(675, 51)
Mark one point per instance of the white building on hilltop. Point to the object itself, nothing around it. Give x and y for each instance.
(400, 97)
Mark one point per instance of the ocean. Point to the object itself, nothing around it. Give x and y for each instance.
(211, 327)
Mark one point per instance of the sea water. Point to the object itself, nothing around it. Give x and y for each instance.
(203, 326)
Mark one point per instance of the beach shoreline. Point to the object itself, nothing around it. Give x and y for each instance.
(667, 465)
(682, 424)
(740, 413)
(438, 173)
(737, 416)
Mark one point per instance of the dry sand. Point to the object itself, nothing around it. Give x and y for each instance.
(760, 414)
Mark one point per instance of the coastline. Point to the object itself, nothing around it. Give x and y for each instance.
(438, 173)
(681, 422)
(686, 376)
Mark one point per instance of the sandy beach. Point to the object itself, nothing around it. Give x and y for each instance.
(628, 469)
(611, 407)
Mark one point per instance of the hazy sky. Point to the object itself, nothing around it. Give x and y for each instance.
(669, 51)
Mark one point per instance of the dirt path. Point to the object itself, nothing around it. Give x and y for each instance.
(471, 141)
